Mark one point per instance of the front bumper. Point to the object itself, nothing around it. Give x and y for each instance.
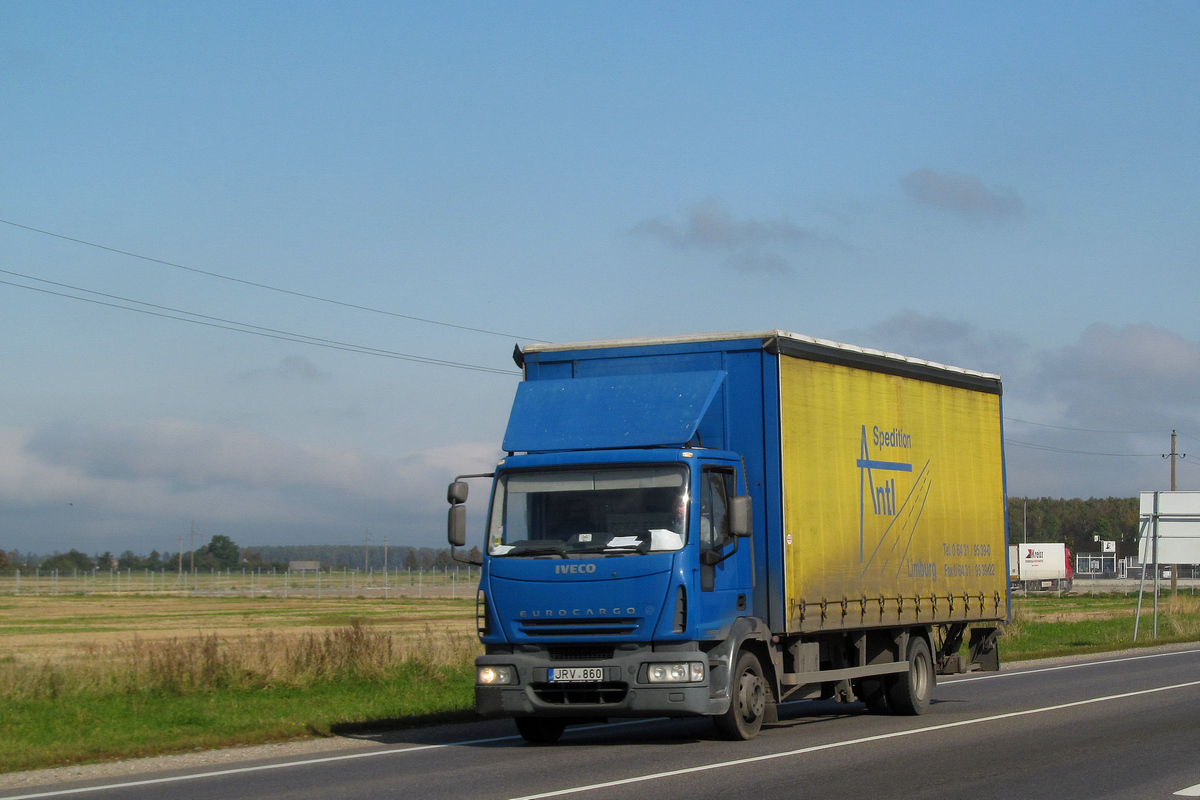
(620, 694)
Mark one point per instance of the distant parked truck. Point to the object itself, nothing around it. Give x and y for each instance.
(625, 575)
(1044, 566)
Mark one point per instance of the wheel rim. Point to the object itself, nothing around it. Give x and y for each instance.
(751, 699)
(919, 674)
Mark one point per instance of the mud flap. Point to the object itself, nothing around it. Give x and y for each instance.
(984, 649)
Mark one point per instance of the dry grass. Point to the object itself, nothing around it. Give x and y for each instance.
(208, 662)
(62, 629)
(67, 646)
(1183, 616)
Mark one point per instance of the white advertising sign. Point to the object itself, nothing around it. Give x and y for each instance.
(1174, 519)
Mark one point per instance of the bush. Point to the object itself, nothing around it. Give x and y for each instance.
(65, 562)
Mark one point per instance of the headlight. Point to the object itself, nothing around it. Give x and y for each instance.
(495, 675)
(689, 672)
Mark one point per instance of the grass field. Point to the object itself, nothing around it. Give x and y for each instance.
(65, 627)
(455, 582)
(91, 678)
(86, 678)
(1046, 626)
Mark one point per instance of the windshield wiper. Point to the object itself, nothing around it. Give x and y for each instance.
(529, 549)
(640, 547)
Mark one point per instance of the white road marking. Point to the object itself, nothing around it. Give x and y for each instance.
(1191, 791)
(993, 675)
(849, 742)
(286, 764)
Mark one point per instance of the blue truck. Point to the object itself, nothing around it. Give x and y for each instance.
(712, 525)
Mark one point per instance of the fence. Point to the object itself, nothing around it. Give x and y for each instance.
(453, 582)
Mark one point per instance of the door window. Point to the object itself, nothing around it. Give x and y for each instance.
(716, 487)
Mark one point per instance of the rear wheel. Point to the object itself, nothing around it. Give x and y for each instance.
(539, 730)
(747, 701)
(908, 692)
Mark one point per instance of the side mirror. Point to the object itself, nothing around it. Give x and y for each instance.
(741, 519)
(456, 524)
(456, 493)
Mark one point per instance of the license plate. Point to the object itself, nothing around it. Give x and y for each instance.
(576, 674)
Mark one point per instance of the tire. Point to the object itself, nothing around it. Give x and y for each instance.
(873, 692)
(908, 693)
(540, 730)
(748, 698)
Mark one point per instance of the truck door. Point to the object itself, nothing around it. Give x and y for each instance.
(724, 589)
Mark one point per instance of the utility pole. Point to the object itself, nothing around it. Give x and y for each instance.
(1174, 567)
(385, 575)
(366, 556)
(180, 561)
(192, 551)
(1025, 520)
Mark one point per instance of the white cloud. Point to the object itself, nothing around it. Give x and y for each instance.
(137, 478)
(711, 226)
(289, 368)
(761, 263)
(948, 341)
(751, 245)
(962, 194)
(1118, 375)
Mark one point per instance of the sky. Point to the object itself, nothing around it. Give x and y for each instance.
(376, 187)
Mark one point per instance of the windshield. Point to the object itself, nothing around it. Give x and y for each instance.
(618, 511)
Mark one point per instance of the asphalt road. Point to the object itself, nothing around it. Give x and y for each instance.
(1110, 727)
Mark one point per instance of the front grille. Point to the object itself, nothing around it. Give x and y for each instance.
(610, 626)
(583, 694)
(583, 653)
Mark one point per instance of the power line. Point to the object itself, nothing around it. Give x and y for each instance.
(211, 318)
(269, 287)
(241, 327)
(1065, 428)
(1050, 449)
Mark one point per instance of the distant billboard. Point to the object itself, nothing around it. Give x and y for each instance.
(1173, 519)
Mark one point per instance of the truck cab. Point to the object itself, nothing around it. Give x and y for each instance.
(608, 581)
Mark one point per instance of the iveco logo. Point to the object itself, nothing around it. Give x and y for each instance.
(562, 569)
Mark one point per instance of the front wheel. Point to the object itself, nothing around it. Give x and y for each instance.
(539, 730)
(747, 700)
(909, 692)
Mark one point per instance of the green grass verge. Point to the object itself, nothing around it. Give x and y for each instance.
(1049, 627)
(86, 727)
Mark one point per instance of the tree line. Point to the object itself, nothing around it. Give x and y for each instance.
(1080, 524)
(222, 553)
(369, 557)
